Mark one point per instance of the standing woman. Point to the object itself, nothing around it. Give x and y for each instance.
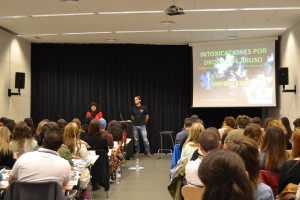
(94, 111)
(78, 148)
(6, 153)
(22, 139)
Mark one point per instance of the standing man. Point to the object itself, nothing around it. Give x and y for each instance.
(140, 116)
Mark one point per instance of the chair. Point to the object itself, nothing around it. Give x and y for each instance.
(34, 191)
(190, 192)
(270, 179)
(161, 134)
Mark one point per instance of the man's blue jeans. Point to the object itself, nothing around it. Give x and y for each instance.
(140, 130)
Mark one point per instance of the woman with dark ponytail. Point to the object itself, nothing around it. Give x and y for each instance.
(94, 111)
(224, 176)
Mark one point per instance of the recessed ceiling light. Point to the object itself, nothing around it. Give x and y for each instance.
(70, 1)
(167, 22)
(111, 40)
(232, 36)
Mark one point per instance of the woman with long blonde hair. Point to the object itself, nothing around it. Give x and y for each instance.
(22, 140)
(6, 153)
(191, 144)
(78, 148)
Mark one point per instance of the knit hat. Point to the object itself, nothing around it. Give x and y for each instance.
(103, 123)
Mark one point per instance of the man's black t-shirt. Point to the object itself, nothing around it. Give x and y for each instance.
(139, 114)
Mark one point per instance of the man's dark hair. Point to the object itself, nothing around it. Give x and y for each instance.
(214, 129)
(138, 97)
(52, 139)
(242, 121)
(194, 118)
(297, 123)
(209, 140)
(47, 128)
(88, 120)
(188, 122)
(61, 123)
(256, 120)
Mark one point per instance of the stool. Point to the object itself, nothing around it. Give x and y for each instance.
(161, 140)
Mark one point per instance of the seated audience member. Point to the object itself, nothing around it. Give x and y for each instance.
(7, 157)
(228, 125)
(280, 125)
(273, 153)
(191, 144)
(38, 131)
(94, 140)
(254, 132)
(61, 123)
(105, 134)
(224, 176)
(43, 165)
(286, 123)
(63, 151)
(248, 150)
(78, 148)
(10, 124)
(297, 123)
(22, 140)
(290, 171)
(188, 122)
(242, 121)
(30, 124)
(266, 123)
(208, 141)
(115, 128)
(82, 134)
(256, 120)
(86, 124)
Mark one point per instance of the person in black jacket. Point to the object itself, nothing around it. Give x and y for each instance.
(96, 142)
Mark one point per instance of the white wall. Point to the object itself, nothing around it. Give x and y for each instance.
(289, 105)
(15, 56)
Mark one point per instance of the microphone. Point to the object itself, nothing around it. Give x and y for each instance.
(121, 117)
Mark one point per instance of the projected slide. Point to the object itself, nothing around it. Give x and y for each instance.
(234, 75)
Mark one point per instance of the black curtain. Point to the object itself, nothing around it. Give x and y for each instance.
(67, 77)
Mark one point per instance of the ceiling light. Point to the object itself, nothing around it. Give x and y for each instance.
(70, 1)
(232, 36)
(156, 31)
(111, 40)
(150, 12)
(143, 31)
(167, 22)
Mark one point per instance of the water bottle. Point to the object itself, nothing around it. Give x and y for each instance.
(118, 176)
(137, 164)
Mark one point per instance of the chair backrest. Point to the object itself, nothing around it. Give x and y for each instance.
(34, 191)
(270, 179)
(190, 192)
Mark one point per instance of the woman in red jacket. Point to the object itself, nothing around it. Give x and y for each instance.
(94, 111)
